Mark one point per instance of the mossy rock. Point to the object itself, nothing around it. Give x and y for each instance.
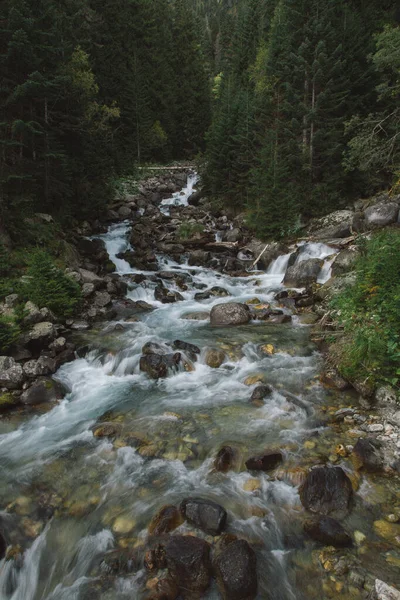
(7, 400)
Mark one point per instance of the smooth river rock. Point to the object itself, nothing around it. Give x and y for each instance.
(303, 273)
(232, 313)
(327, 491)
(157, 366)
(328, 531)
(43, 391)
(265, 462)
(204, 514)
(235, 569)
(189, 565)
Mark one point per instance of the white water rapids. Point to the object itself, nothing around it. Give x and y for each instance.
(192, 413)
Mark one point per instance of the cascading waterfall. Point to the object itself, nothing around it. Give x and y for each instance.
(180, 198)
(107, 490)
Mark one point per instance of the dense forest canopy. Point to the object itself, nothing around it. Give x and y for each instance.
(294, 104)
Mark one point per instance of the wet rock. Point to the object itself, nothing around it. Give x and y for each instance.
(384, 591)
(128, 308)
(213, 292)
(204, 514)
(224, 460)
(327, 491)
(120, 562)
(167, 519)
(11, 373)
(43, 391)
(265, 462)
(157, 366)
(214, 357)
(190, 349)
(155, 558)
(106, 430)
(279, 319)
(381, 215)
(236, 571)
(196, 316)
(40, 336)
(260, 393)
(155, 348)
(166, 296)
(232, 313)
(303, 273)
(164, 589)
(189, 565)
(3, 546)
(328, 531)
(367, 455)
(94, 249)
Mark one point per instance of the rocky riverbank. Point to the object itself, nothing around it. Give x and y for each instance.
(339, 467)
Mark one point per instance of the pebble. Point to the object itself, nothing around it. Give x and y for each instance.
(375, 428)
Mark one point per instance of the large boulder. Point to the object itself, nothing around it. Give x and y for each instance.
(11, 373)
(381, 215)
(235, 569)
(189, 565)
(328, 531)
(214, 291)
(269, 252)
(335, 225)
(204, 514)
(367, 455)
(232, 313)
(90, 277)
(199, 258)
(45, 365)
(127, 308)
(344, 261)
(384, 591)
(303, 273)
(265, 462)
(157, 366)
(39, 337)
(327, 491)
(43, 391)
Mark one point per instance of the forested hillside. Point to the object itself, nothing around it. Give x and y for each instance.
(293, 105)
(90, 89)
(306, 107)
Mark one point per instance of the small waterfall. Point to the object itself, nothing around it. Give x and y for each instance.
(116, 241)
(314, 250)
(180, 198)
(278, 266)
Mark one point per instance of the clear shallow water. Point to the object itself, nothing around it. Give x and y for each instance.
(105, 492)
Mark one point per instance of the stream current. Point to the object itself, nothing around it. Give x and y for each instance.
(106, 490)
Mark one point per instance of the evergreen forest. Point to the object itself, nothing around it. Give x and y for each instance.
(291, 106)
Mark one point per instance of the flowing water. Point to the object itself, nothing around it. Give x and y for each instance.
(105, 492)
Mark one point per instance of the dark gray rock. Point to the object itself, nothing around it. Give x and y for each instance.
(328, 531)
(344, 262)
(213, 292)
(303, 273)
(166, 296)
(189, 565)
(236, 571)
(261, 392)
(43, 391)
(204, 514)
(265, 462)
(367, 455)
(158, 367)
(327, 491)
(232, 313)
(39, 337)
(189, 349)
(3, 546)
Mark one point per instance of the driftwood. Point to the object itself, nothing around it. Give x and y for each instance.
(222, 245)
(258, 258)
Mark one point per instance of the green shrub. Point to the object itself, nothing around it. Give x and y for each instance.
(48, 286)
(189, 230)
(369, 313)
(9, 333)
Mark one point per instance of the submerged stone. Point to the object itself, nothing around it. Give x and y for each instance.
(327, 491)
(189, 564)
(328, 531)
(236, 571)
